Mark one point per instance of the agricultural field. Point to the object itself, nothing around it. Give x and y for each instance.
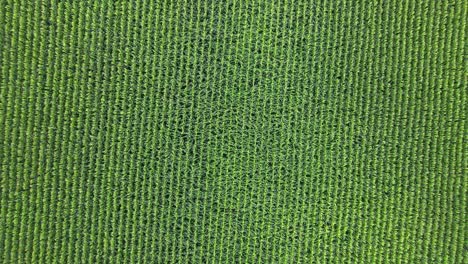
(233, 131)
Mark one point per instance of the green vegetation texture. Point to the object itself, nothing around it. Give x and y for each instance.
(234, 131)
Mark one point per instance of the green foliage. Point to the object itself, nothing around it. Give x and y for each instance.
(233, 131)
